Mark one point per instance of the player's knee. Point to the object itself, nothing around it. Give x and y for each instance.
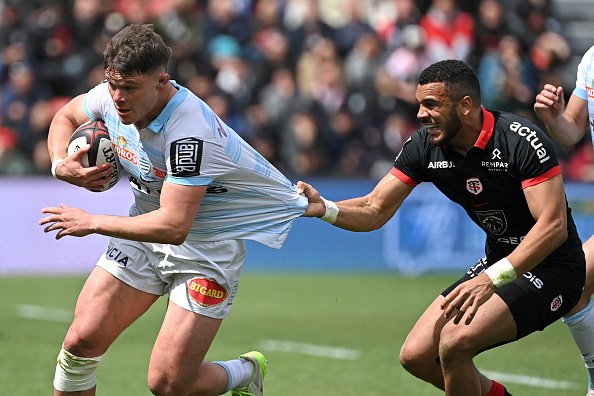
(75, 373)
(455, 345)
(80, 344)
(162, 384)
(414, 358)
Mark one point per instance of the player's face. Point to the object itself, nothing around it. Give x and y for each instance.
(438, 113)
(135, 97)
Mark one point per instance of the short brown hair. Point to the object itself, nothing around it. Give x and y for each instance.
(136, 49)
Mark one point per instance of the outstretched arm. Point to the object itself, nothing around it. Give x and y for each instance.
(361, 214)
(171, 223)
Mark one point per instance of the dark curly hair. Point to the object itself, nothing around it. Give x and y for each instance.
(459, 78)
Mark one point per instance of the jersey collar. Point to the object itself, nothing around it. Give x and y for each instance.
(172, 105)
(487, 130)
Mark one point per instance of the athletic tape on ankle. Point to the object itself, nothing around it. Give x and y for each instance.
(501, 273)
(331, 211)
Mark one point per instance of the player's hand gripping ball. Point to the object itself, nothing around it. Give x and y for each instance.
(96, 134)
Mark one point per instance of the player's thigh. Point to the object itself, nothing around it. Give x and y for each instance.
(182, 343)
(105, 307)
(493, 325)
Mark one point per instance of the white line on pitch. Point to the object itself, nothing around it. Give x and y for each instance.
(311, 349)
(44, 313)
(531, 381)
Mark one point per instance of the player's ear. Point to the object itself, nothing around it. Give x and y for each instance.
(465, 105)
(163, 79)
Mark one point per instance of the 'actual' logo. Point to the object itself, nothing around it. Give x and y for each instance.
(206, 292)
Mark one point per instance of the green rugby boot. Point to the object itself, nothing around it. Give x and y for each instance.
(256, 385)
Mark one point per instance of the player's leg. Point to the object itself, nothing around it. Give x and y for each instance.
(419, 354)
(202, 291)
(177, 365)
(460, 343)
(105, 307)
(580, 319)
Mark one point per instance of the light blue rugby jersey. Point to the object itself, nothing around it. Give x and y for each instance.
(247, 198)
(584, 85)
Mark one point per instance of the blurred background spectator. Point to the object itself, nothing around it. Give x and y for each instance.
(319, 87)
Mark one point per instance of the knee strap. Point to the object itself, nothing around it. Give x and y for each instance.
(74, 373)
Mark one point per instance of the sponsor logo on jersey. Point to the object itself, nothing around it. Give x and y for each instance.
(512, 240)
(206, 292)
(557, 302)
(496, 163)
(474, 185)
(493, 220)
(590, 90)
(186, 156)
(441, 165)
(531, 138)
(159, 173)
(496, 166)
(122, 150)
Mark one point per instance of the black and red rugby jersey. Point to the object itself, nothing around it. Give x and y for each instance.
(510, 154)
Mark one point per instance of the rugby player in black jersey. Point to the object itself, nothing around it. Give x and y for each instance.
(503, 171)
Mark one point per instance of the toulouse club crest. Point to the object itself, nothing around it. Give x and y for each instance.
(474, 185)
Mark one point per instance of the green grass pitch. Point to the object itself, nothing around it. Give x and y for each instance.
(323, 335)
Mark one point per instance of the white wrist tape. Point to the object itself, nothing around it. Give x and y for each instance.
(501, 273)
(331, 211)
(55, 165)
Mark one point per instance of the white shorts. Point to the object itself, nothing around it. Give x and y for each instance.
(201, 277)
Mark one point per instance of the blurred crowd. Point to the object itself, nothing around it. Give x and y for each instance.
(319, 87)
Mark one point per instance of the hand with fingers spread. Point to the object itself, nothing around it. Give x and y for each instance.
(70, 221)
(466, 299)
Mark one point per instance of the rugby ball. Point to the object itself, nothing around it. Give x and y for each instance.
(96, 134)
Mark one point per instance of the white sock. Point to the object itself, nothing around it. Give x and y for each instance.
(581, 327)
(239, 371)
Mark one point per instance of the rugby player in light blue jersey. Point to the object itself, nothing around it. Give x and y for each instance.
(568, 126)
(199, 192)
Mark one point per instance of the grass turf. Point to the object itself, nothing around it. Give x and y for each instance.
(369, 315)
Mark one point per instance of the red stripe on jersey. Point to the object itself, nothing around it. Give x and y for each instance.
(487, 131)
(403, 177)
(544, 177)
(497, 389)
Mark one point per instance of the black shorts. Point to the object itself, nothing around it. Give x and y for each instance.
(539, 297)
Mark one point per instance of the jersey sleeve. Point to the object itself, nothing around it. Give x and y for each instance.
(96, 101)
(408, 164)
(580, 84)
(535, 156)
(193, 155)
